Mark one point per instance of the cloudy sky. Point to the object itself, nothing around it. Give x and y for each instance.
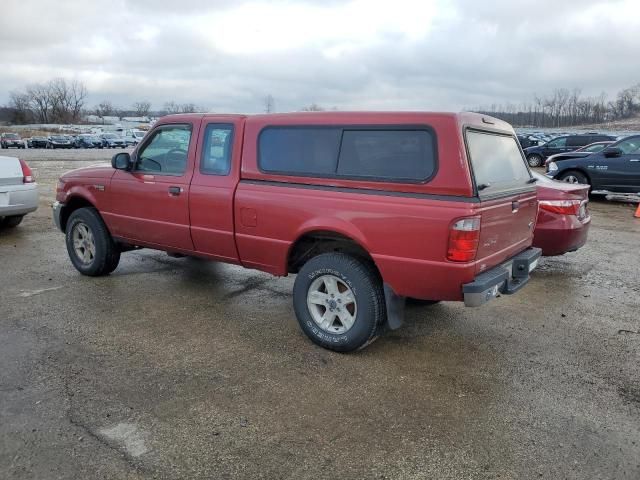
(353, 54)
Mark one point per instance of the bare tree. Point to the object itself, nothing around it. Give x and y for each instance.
(40, 101)
(171, 107)
(20, 103)
(142, 108)
(78, 93)
(104, 109)
(314, 107)
(188, 108)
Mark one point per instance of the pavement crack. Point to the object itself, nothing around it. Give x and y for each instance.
(71, 418)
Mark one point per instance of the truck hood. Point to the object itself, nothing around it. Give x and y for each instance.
(100, 170)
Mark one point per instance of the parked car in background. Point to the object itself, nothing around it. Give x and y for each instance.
(133, 137)
(345, 200)
(86, 140)
(111, 140)
(527, 141)
(38, 142)
(568, 143)
(58, 141)
(18, 191)
(11, 140)
(615, 169)
(579, 153)
(563, 216)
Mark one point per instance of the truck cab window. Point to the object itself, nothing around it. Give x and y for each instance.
(166, 151)
(216, 151)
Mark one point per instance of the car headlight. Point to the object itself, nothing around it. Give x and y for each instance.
(553, 167)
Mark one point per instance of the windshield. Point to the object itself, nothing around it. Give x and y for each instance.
(109, 136)
(629, 145)
(58, 139)
(11, 136)
(497, 161)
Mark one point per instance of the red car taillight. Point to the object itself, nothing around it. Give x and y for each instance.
(464, 237)
(563, 207)
(27, 175)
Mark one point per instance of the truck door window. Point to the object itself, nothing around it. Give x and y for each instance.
(165, 153)
(216, 149)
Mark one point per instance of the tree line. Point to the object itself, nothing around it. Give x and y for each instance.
(65, 101)
(568, 108)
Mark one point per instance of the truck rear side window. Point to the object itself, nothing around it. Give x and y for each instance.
(376, 153)
(387, 154)
(306, 151)
(497, 161)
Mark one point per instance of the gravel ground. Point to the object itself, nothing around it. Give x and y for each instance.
(182, 368)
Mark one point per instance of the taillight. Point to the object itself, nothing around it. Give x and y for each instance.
(464, 237)
(27, 175)
(563, 207)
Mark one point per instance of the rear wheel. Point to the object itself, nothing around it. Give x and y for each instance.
(573, 176)
(339, 301)
(534, 160)
(13, 221)
(89, 244)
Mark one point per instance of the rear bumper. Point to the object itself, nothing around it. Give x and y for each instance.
(18, 199)
(507, 278)
(559, 234)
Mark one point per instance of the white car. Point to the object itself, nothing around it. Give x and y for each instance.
(18, 191)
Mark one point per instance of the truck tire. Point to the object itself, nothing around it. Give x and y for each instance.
(574, 176)
(12, 222)
(89, 244)
(339, 301)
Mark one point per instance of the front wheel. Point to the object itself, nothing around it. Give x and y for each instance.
(89, 244)
(339, 301)
(573, 176)
(534, 160)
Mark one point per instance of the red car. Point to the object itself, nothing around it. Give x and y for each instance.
(563, 217)
(367, 208)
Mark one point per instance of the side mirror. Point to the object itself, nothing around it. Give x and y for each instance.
(611, 152)
(121, 161)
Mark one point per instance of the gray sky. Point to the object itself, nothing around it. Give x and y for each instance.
(359, 54)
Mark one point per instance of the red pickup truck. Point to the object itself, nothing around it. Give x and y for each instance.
(367, 208)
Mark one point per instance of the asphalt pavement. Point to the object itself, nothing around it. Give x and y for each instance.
(183, 368)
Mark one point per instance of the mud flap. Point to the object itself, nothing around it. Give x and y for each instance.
(395, 308)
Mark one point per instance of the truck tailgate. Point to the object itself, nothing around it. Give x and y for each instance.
(506, 228)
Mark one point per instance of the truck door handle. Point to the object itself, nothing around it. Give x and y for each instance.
(175, 191)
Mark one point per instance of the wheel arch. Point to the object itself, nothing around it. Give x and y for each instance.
(314, 241)
(72, 204)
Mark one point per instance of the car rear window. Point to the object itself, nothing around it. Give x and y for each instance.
(372, 153)
(497, 162)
